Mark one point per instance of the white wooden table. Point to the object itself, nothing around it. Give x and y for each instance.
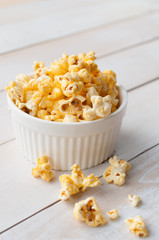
(125, 36)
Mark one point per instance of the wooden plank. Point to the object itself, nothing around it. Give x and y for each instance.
(140, 121)
(134, 66)
(68, 21)
(137, 134)
(103, 41)
(129, 65)
(8, 3)
(28, 10)
(142, 180)
(33, 9)
(6, 131)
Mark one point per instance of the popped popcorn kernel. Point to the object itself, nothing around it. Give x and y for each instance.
(113, 214)
(91, 92)
(116, 172)
(110, 78)
(70, 118)
(101, 108)
(68, 78)
(134, 199)
(68, 187)
(72, 184)
(88, 211)
(137, 226)
(43, 169)
(38, 65)
(90, 181)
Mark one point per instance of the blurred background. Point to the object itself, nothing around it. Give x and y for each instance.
(44, 29)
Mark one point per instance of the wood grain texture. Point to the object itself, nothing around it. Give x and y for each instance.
(30, 31)
(104, 41)
(134, 138)
(6, 130)
(8, 3)
(36, 8)
(129, 65)
(125, 36)
(58, 222)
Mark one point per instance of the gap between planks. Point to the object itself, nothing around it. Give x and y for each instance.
(57, 201)
(129, 90)
(113, 47)
(7, 141)
(143, 84)
(120, 51)
(129, 47)
(87, 30)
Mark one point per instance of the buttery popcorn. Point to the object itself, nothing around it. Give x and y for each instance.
(88, 211)
(134, 199)
(43, 169)
(116, 172)
(72, 184)
(113, 214)
(137, 226)
(72, 89)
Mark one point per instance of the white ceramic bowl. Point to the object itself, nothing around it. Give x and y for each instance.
(84, 143)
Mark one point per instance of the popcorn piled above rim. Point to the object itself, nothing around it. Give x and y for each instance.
(72, 89)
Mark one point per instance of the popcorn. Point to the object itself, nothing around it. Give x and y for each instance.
(90, 181)
(70, 118)
(85, 76)
(31, 106)
(88, 211)
(89, 114)
(91, 92)
(42, 114)
(71, 184)
(43, 169)
(117, 171)
(60, 67)
(91, 66)
(69, 89)
(113, 214)
(50, 118)
(68, 78)
(110, 78)
(134, 199)
(16, 92)
(101, 108)
(137, 226)
(68, 187)
(38, 65)
(75, 64)
(23, 78)
(46, 103)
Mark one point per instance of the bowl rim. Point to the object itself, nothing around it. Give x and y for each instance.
(43, 121)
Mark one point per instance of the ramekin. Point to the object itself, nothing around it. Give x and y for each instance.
(85, 143)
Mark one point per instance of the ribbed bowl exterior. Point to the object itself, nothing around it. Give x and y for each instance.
(87, 144)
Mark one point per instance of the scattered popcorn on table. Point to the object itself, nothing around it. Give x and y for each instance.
(137, 226)
(134, 199)
(88, 211)
(72, 184)
(116, 172)
(72, 89)
(113, 214)
(43, 169)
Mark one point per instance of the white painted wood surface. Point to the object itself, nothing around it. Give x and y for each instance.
(57, 222)
(105, 41)
(66, 20)
(125, 36)
(36, 190)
